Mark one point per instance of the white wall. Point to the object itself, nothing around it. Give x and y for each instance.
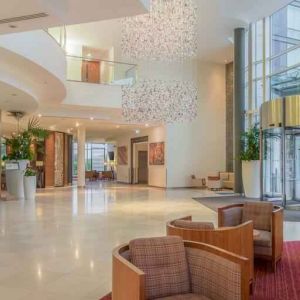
(157, 174)
(199, 147)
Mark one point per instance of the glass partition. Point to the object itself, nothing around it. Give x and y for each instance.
(92, 70)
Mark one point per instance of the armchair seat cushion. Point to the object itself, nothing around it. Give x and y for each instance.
(185, 297)
(263, 239)
(194, 225)
(164, 262)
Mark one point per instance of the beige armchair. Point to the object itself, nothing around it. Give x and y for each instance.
(267, 222)
(236, 239)
(168, 268)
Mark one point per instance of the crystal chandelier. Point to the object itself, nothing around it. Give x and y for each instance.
(167, 33)
(159, 101)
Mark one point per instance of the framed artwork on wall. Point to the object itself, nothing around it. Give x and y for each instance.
(157, 154)
(122, 155)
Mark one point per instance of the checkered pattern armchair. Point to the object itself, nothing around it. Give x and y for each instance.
(267, 221)
(168, 268)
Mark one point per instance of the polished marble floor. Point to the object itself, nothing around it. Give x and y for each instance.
(59, 247)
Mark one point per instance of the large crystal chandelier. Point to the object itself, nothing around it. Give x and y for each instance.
(167, 33)
(159, 101)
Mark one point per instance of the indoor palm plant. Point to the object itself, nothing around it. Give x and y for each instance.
(251, 162)
(29, 183)
(20, 151)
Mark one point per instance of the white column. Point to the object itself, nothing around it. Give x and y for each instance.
(81, 156)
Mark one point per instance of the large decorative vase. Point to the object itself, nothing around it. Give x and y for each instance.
(15, 180)
(251, 178)
(29, 187)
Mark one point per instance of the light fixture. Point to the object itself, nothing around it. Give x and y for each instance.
(146, 125)
(168, 32)
(77, 124)
(118, 126)
(92, 118)
(137, 131)
(12, 26)
(159, 101)
(39, 115)
(52, 127)
(89, 55)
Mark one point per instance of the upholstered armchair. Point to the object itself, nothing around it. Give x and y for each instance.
(168, 268)
(267, 223)
(236, 239)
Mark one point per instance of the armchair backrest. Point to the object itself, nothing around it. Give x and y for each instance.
(163, 260)
(260, 213)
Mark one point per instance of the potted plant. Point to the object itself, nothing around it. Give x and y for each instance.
(20, 152)
(251, 162)
(29, 183)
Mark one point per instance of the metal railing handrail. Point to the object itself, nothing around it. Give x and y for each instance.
(101, 60)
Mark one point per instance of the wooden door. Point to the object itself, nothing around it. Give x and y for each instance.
(90, 71)
(142, 166)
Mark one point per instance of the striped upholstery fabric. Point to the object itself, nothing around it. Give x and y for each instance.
(260, 213)
(213, 276)
(232, 216)
(193, 225)
(185, 297)
(164, 262)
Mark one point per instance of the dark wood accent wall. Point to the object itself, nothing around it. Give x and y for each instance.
(51, 156)
(49, 160)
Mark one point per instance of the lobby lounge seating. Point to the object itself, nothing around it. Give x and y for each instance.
(236, 239)
(169, 268)
(267, 222)
(220, 180)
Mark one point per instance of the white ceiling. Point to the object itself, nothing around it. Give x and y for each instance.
(66, 12)
(216, 22)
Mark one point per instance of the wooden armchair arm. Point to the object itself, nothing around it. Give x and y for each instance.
(277, 231)
(211, 280)
(128, 280)
(233, 210)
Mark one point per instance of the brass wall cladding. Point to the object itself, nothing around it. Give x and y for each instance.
(292, 108)
(271, 113)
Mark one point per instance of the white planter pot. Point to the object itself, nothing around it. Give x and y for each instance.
(29, 187)
(15, 180)
(251, 178)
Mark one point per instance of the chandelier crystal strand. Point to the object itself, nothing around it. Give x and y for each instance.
(167, 33)
(159, 101)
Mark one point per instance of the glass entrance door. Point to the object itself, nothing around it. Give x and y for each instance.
(272, 164)
(292, 168)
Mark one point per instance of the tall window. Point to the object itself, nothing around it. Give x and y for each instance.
(95, 157)
(273, 64)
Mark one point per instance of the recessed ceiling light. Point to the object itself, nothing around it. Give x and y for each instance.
(118, 126)
(12, 26)
(137, 131)
(89, 54)
(52, 127)
(92, 118)
(71, 128)
(77, 124)
(146, 125)
(39, 115)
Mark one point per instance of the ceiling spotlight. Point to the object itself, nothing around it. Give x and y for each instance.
(118, 126)
(146, 125)
(52, 127)
(77, 124)
(89, 54)
(137, 131)
(39, 115)
(92, 118)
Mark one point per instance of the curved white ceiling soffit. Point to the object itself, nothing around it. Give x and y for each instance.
(38, 72)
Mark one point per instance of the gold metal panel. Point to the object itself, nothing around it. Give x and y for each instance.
(292, 111)
(271, 114)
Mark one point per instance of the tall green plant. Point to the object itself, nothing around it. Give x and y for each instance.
(250, 144)
(20, 145)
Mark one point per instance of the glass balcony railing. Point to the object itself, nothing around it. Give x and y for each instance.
(91, 70)
(59, 34)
